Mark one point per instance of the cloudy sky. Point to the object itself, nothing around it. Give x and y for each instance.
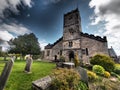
(45, 19)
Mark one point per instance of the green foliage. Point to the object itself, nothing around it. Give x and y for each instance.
(19, 80)
(98, 69)
(116, 75)
(25, 44)
(105, 61)
(36, 57)
(76, 60)
(62, 58)
(3, 54)
(91, 76)
(65, 79)
(117, 69)
(107, 74)
(82, 86)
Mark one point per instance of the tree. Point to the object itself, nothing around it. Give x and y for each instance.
(25, 44)
(3, 54)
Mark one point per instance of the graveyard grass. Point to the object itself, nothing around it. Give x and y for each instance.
(19, 80)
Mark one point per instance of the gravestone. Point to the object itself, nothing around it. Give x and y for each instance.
(42, 84)
(83, 74)
(28, 64)
(5, 73)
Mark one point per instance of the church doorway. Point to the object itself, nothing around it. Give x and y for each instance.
(71, 55)
(55, 57)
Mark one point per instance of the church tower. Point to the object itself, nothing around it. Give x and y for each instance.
(72, 25)
(71, 34)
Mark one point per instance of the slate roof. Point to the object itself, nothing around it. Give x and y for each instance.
(112, 52)
(49, 46)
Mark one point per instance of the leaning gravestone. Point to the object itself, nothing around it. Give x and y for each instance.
(83, 74)
(28, 64)
(5, 74)
(42, 84)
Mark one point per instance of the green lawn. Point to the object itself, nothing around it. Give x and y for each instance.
(20, 80)
(2, 58)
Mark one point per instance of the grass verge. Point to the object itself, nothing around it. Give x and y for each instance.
(19, 80)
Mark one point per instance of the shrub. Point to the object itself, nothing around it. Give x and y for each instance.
(65, 79)
(62, 58)
(105, 61)
(76, 60)
(91, 76)
(35, 57)
(98, 69)
(117, 68)
(116, 75)
(106, 74)
(82, 86)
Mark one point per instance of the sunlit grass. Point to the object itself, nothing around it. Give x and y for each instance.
(19, 80)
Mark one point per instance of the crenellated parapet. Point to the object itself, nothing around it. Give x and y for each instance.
(91, 36)
(73, 11)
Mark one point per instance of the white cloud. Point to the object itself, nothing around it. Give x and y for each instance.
(43, 43)
(108, 11)
(7, 30)
(4, 45)
(12, 5)
(5, 35)
(17, 29)
(27, 3)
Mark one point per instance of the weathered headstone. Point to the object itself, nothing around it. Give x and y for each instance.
(83, 74)
(42, 84)
(5, 73)
(28, 64)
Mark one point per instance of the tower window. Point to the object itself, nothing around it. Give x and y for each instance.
(83, 51)
(77, 15)
(70, 44)
(71, 31)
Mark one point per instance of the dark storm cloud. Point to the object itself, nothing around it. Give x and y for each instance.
(116, 27)
(12, 5)
(111, 7)
(43, 16)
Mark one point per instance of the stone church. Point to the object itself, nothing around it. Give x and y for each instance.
(75, 42)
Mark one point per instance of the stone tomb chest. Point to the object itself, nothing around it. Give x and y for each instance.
(42, 84)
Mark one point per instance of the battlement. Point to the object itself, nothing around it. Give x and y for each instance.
(73, 11)
(98, 38)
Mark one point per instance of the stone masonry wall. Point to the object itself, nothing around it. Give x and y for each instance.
(94, 47)
(55, 50)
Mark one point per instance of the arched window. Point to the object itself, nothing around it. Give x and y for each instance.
(71, 31)
(48, 53)
(70, 44)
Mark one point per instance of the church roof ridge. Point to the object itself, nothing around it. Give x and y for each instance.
(98, 38)
(49, 46)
